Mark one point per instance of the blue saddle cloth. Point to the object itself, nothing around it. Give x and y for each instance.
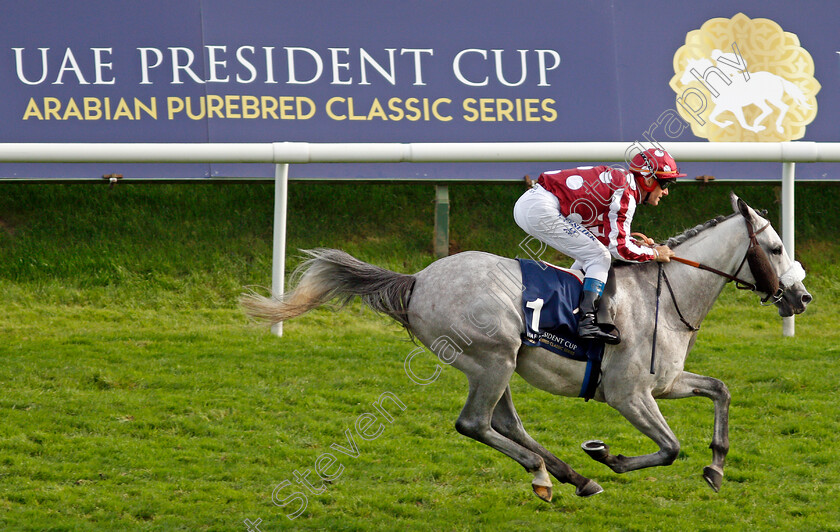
(549, 301)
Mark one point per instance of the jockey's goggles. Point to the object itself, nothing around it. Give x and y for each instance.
(664, 183)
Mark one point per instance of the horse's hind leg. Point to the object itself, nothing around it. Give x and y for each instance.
(487, 384)
(507, 423)
(783, 109)
(692, 385)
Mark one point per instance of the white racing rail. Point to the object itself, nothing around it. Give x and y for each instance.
(284, 153)
(307, 152)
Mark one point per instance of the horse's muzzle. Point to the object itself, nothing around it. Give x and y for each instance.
(794, 301)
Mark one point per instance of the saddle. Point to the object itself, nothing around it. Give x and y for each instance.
(550, 303)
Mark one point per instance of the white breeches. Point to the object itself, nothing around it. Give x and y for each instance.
(537, 212)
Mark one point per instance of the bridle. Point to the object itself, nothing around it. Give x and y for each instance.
(766, 279)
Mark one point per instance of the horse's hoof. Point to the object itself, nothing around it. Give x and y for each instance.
(596, 449)
(713, 475)
(543, 492)
(589, 489)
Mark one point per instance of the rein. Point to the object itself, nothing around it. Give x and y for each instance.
(754, 255)
(691, 327)
(740, 283)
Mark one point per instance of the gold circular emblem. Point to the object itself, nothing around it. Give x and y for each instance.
(743, 79)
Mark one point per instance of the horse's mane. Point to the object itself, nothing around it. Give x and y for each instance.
(696, 230)
(684, 236)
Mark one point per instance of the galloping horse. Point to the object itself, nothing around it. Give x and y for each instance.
(474, 296)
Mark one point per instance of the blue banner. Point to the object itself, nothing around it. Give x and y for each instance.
(412, 71)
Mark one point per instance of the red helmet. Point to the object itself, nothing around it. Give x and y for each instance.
(657, 164)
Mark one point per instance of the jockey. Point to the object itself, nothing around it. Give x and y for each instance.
(586, 213)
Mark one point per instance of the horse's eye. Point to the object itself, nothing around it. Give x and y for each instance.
(776, 250)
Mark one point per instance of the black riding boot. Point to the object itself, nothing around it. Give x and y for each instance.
(588, 323)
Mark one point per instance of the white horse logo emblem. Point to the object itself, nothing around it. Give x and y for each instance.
(743, 88)
(722, 100)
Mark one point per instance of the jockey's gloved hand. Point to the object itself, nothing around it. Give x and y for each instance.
(663, 253)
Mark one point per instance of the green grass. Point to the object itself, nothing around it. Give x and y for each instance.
(135, 395)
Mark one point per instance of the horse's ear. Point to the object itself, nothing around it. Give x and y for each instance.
(736, 202)
(739, 205)
(744, 208)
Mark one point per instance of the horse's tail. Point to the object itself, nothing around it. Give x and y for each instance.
(795, 92)
(329, 274)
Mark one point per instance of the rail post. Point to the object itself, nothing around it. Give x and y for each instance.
(278, 255)
(788, 177)
(441, 221)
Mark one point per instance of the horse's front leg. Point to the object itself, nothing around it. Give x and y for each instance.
(718, 109)
(739, 115)
(641, 410)
(692, 385)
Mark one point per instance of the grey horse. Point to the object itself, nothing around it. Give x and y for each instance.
(467, 309)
